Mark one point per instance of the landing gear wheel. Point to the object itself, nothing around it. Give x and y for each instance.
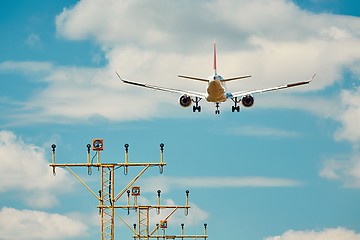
(235, 107)
(217, 111)
(197, 107)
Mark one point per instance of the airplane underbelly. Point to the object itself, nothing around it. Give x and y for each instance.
(216, 93)
(209, 98)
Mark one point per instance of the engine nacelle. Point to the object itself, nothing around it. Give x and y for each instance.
(185, 101)
(247, 101)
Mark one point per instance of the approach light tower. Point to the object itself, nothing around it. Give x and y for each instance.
(108, 199)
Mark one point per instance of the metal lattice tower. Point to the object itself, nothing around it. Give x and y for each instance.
(106, 207)
(143, 221)
(108, 198)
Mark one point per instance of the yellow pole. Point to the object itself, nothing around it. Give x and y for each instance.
(161, 158)
(161, 153)
(158, 209)
(112, 174)
(126, 158)
(88, 158)
(98, 157)
(205, 225)
(182, 230)
(53, 158)
(187, 203)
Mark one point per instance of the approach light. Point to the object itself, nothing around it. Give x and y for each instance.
(98, 144)
(163, 224)
(135, 191)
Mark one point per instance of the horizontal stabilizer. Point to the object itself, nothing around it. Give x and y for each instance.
(194, 78)
(235, 78)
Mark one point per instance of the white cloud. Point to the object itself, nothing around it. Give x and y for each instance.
(349, 116)
(117, 22)
(32, 40)
(26, 67)
(29, 224)
(326, 234)
(161, 182)
(346, 171)
(319, 106)
(330, 169)
(258, 131)
(26, 169)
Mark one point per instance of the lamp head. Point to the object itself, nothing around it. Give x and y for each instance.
(163, 224)
(135, 191)
(98, 144)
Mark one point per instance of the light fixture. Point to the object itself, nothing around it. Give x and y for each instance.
(163, 224)
(135, 191)
(98, 144)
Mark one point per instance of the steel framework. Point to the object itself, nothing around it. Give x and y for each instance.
(107, 198)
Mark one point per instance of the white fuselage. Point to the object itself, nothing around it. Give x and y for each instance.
(216, 90)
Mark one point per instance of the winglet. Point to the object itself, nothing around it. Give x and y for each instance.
(313, 77)
(119, 76)
(301, 83)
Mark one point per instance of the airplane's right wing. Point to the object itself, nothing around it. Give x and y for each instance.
(244, 93)
(172, 90)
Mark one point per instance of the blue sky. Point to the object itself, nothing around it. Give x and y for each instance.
(287, 168)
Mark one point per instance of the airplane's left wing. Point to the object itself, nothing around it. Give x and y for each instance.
(171, 90)
(244, 93)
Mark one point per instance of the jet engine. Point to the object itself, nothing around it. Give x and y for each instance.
(247, 101)
(185, 100)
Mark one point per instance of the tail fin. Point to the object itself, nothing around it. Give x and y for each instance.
(215, 58)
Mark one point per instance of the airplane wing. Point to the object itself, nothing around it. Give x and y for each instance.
(244, 93)
(172, 90)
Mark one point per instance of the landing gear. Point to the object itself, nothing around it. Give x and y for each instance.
(197, 107)
(217, 111)
(235, 107)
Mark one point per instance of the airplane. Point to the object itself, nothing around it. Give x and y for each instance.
(216, 90)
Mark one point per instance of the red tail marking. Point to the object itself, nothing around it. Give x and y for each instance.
(215, 57)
